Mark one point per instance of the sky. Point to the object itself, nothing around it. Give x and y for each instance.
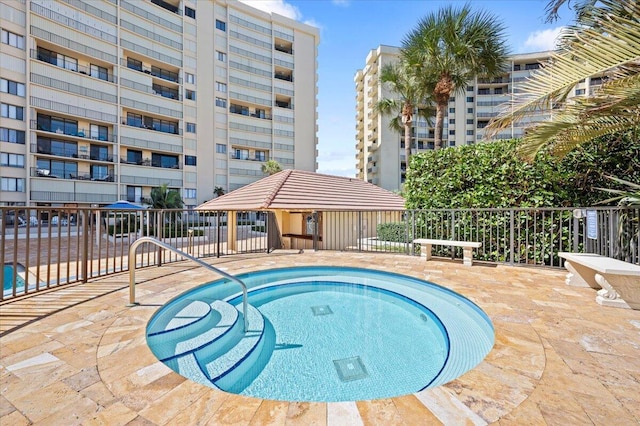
(350, 29)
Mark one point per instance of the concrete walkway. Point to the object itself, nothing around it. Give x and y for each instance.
(78, 356)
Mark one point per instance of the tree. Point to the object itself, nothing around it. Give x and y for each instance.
(604, 42)
(403, 81)
(165, 198)
(218, 191)
(271, 167)
(451, 47)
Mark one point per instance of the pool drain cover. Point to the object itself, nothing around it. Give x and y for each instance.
(321, 310)
(350, 369)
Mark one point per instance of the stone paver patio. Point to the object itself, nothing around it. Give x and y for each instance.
(78, 355)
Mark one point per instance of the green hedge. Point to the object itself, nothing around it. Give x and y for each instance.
(394, 232)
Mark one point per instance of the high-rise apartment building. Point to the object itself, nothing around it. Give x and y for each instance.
(105, 100)
(380, 155)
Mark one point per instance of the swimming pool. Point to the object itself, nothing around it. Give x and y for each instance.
(321, 334)
(7, 284)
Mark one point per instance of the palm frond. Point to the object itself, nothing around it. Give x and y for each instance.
(608, 49)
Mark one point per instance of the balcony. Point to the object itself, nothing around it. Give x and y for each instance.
(154, 71)
(147, 162)
(71, 64)
(149, 124)
(79, 133)
(249, 112)
(280, 75)
(110, 176)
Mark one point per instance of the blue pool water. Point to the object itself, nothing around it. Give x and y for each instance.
(7, 285)
(322, 334)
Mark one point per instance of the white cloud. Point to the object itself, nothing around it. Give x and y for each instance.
(276, 6)
(542, 40)
(342, 3)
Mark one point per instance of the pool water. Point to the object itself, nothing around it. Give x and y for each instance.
(322, 334)
(7, 285)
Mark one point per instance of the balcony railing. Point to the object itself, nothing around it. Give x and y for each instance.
(153, 71)
(175, 131)
(247, 158)
(234, 109)
(149, 163)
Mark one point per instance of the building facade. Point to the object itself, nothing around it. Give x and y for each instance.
(380, 155)
(105, 100)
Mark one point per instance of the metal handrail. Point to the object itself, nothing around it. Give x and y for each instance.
(132, 271)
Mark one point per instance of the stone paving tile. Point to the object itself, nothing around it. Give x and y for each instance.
(559, 358)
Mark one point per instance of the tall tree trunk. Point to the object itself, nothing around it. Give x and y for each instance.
(440, 108)
(407, 143)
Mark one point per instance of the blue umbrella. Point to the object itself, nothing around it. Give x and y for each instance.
(123, 205)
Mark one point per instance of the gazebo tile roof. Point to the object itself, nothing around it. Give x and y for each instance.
(303, 190)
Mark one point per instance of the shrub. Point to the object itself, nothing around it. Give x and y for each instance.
(393, 231)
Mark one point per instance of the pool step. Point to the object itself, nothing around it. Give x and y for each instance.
(201, 330)
(220, 358)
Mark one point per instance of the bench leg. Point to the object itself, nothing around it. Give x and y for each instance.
(425, 251)
(608, 296)
(467, 256)
(580, 276)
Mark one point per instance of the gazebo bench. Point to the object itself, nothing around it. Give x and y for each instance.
(467, 248)
(617, 282)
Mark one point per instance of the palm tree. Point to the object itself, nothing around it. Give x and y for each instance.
(271, 167)
(453, 46)
(218, 191)
(604, 41)
(164, 198)
(403, 81)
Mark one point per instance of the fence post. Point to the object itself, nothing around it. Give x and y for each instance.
(315, 230)
(511, 235)
(359, 231)
(218, 231)
(160, 233)
(85, 242)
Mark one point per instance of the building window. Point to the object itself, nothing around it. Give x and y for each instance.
(580, 92)
(57, 168)
(12, 135)
(241, 154)
(470, 142)
(134, 120)
(469, 88)
(532, 66)
(12, 39)
(469, 110)
(469, 98)
(134, 194)
(452, 121)
(470, 132)
(221, 25)
(98, 132)
(56, 147)
(469, 120)
(99, 172)
(57, 59)
(134, 64)
(221, 149)
(262, 156)
(12, 111)
(190, 94)
(164, 161)
(221, 87)
(484, 92)
(190, 160)
(452, 132)
(452, 110)
(99, 72)
(516, 67)
(11, 160)
(12, 87)
(57, 125)
(222, 57)
(134, 157)
(190, 78)
(191, 127)
(189, 193)
(191, 13)
(452, 143)
(12, 184)
(221, 102)
(497, 91)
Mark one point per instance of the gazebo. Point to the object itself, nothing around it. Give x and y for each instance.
(305, 204)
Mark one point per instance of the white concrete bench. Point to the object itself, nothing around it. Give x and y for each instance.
(618, 282)
(467, 248)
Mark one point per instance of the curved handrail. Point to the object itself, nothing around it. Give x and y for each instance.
(132, 271)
